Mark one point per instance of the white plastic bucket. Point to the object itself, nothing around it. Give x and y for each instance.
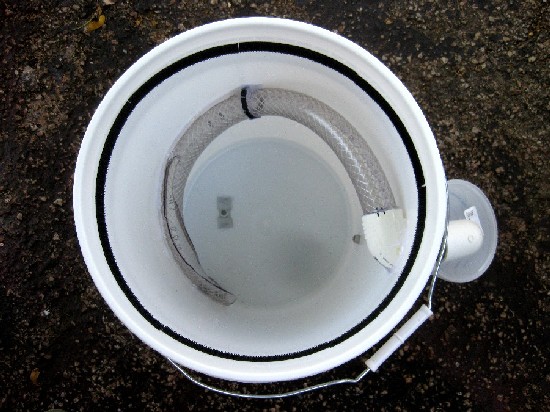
(278, 328)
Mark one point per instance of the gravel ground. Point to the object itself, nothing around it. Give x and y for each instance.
(479, 71)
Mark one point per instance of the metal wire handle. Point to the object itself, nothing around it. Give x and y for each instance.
(269, 395)
(318, 386)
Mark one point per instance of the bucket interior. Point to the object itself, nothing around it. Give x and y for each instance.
(294, 255)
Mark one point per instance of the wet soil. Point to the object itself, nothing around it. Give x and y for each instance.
(479, 71)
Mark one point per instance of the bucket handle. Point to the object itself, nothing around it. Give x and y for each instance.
(269, 395)
(373, 363)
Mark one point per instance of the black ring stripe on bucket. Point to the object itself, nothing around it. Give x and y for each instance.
(231, 49)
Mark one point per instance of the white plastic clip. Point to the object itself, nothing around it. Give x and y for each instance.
(384, 232)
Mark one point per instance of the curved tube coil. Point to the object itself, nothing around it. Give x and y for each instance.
(366, 174)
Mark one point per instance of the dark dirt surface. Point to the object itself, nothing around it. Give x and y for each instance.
(479, 71)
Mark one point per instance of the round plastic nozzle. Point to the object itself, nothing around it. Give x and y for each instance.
(468, 203)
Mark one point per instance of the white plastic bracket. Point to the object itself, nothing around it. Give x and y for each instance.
(384, 232)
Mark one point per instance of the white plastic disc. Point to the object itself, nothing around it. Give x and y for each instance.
(467, 201)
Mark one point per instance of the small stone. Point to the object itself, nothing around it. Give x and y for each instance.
(35, 373)
(55, 236)
(476, 130)
(58, 202)
(19, 216)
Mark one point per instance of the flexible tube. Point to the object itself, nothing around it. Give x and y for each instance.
(366, 174)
